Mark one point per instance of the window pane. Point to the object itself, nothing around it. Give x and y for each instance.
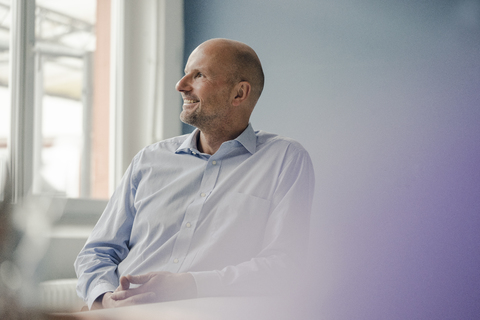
(65, 108)
(4, 96)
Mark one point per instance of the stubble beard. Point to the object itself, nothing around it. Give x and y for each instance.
(197, 119)
(203, 120)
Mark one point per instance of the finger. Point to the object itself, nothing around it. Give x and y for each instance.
(140, 279)
(119, 288)
(148, 297)
(125, 294)
(107, 301)
(124, 283)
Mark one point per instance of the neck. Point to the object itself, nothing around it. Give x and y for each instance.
(210, 142)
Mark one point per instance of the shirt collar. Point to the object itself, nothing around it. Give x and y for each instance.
(248, 139)
(190, 144)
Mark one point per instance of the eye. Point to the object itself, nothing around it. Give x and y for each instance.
(199, 75)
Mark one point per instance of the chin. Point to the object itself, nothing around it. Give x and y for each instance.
(188, 118)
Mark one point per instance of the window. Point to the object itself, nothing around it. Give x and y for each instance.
(90, 82)
(63, 98)
(4, 96)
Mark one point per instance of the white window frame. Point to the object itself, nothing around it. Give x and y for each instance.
(21, 140)
(146, 62)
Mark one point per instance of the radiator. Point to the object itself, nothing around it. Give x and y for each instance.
(60, 296)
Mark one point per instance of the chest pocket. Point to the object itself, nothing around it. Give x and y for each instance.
(240, 215)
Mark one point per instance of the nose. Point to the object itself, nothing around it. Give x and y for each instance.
(183, 84)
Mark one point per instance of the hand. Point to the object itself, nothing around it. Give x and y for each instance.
(154, 287)
(105, 301)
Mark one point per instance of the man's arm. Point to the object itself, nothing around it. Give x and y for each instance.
(107, 245)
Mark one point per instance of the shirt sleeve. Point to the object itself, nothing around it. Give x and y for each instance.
(285, 242)
(108, 244)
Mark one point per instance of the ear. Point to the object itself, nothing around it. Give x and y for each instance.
(242, 92)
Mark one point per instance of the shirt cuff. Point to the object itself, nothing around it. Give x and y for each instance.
(99, 289)
(209, 284)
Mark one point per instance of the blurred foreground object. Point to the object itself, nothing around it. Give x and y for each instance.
(23, 230)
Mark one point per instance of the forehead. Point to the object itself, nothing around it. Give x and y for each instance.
(208, 60)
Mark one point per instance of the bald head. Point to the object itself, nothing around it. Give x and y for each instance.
(240, 60)
(222, 83)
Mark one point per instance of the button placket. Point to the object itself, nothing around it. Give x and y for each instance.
(187, 230)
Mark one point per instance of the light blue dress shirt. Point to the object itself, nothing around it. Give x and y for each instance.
(237, 220)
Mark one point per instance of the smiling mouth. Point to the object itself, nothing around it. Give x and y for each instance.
(188, 101)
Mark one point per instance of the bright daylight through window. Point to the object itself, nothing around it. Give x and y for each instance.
(70, 97)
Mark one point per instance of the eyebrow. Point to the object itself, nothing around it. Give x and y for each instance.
(185, 70)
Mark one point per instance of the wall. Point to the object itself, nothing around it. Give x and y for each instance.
(385, 95)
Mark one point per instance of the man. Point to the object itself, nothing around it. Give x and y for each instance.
(222, 211)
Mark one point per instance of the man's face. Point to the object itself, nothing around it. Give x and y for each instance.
(206, 89)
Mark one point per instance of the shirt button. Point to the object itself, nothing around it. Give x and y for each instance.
(188, 225)
(194, 153)
(202, 194)
(175, 260)
(214, 162)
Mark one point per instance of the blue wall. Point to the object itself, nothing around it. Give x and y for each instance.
(385, 95)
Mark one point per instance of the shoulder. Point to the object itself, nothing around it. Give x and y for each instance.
(271, 141)
(171, 144)
(161, 148)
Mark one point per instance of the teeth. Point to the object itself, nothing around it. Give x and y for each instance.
(189, 101)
